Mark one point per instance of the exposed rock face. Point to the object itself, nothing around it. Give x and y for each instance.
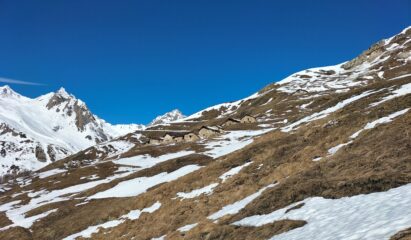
(3, 152)
(63, 102)
(368, 55)
(51, 153)
(56, 100)
(83, 117)
(40, 154)
(403, 235)
(378, 49)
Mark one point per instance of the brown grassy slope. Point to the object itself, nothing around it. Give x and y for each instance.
(351, 171)
(402, 235)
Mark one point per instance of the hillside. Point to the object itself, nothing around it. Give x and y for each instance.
(328, 157)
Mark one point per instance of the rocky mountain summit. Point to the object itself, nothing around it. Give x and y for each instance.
(172, 116)
(322, 154)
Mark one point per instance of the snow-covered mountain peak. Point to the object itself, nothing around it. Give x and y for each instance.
(175, 112)
(64, 96)
(62, 92)
(6, 91)
(168, 117)
(5, 87)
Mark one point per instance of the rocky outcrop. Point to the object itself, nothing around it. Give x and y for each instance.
(68, 104)
(40, 154)
(51, 152)
(368, 55)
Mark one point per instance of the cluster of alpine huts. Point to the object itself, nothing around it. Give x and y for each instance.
(204, 132)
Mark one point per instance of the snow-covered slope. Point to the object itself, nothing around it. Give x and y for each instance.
(167, 118)
(35, 132)
(366, 67)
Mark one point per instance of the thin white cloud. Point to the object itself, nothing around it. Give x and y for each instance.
(14, 81)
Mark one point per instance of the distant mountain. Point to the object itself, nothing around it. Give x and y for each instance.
(167, 118)
(35, 132)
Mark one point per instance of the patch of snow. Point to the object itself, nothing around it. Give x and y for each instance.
(51, 173)
(94, 229)
(198, 192)
(123, 129)
(237, 206)
(269, 100)
(379, 121)
(326, 112)
(135, 214)
(392, 46)
(146, 161)
(402, 76)
(368, 77)
(233, 171)
(232, 141)
(132, 215)
(265, 125)
(114, 148)
(160, 238)
(318, 81)
(92, 177)
(82, 203)
(305, 105)
(137, 186)
(27, 222)
(369, 216)
(16, 213)
(317, 159)
(187, 228)
(335, 149)
(402, 91)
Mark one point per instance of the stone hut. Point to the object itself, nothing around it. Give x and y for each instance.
(230, 122)
(208, 132)
(248, 119)
(174, 137)
(168, 138)
(179, 139)
(155, 141)
(191, 137)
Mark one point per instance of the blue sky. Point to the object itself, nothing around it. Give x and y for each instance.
(131, 60)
